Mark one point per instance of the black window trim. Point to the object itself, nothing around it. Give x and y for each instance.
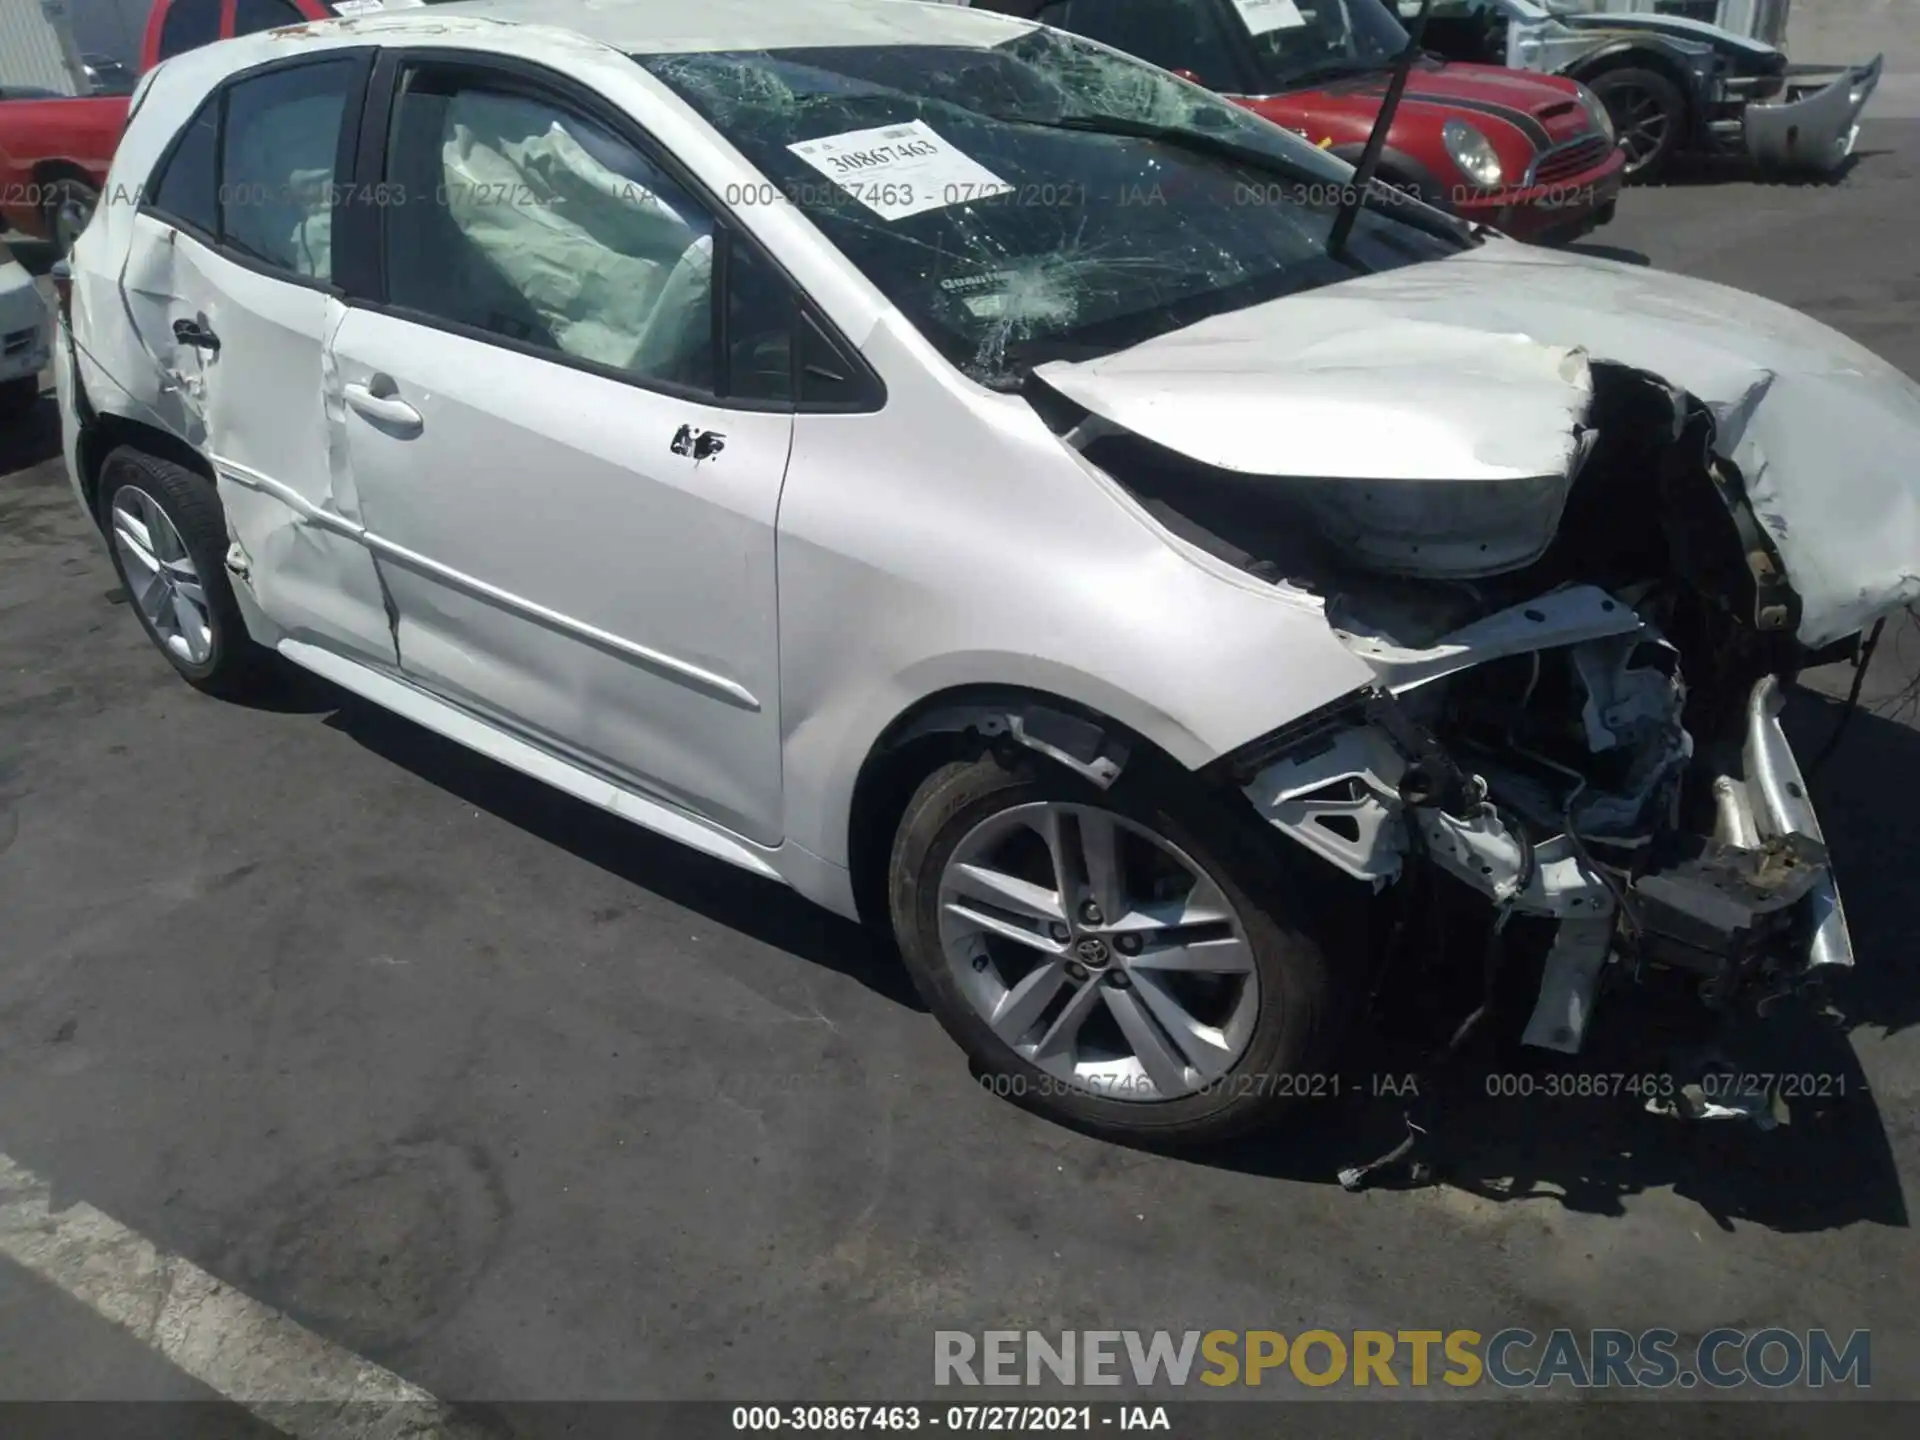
(364, 279)
(352, 107)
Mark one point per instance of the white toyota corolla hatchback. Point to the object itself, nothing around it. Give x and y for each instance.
(965, 474)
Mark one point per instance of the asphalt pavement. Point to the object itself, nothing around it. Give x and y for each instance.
(517, 1103)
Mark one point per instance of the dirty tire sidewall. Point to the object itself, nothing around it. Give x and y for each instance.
(193, 505)
(1304, 1000)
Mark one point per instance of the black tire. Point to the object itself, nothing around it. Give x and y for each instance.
(1303, 1001)
(1643, 102)
(68, 206)
(234, 663)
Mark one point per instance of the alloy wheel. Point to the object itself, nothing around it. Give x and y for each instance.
(1642, 123)
(160, 575)
(1099, 951)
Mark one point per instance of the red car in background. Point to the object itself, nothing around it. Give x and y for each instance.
(1533, 155)
(54, 152)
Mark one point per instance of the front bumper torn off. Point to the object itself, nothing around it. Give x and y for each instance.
(1815, 126)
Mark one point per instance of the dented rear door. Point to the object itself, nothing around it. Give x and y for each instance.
(228, 283)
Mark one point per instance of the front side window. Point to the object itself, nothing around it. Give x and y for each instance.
(1042, 198)
(189, 25)
(513, 215)
(277, 158)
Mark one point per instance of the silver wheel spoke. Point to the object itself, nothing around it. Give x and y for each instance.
(193, 629)
(1058, 1042)
(153, 598)
(1205, 1048)
(1164, 1067)
(1006, 892)
(187, 587)
(1023, 1005)
(136, 546)
(1211, 953)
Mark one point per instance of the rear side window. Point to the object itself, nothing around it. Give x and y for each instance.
(188, 187)
(189, 25)
(254, 170)
(252, 16)
(277, 156)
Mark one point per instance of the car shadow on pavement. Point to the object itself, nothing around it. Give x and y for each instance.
(1686, 171)
(1504, 1126)
(760, 908)
(31, 438)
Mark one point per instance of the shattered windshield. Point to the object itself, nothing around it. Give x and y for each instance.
(1043, 199)
(1299, 42)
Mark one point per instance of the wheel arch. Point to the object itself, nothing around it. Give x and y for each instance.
(962, 722)
(103, 432)
(1636, 55)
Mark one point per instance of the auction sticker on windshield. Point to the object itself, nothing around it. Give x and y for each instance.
(900, 170)
(1263, 16)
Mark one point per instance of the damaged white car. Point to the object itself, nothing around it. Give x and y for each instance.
(884, 446)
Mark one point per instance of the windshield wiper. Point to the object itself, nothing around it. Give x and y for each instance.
(1343, 223)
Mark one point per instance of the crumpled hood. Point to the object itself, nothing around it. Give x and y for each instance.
(1474, 368)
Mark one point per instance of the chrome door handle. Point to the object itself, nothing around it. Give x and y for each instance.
(387, 410)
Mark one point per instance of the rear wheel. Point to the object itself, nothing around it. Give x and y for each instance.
(168, 537)
(1649, 113)
(1129, 961)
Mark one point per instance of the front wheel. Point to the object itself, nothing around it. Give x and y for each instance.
(1133, 962)
(1649, 114)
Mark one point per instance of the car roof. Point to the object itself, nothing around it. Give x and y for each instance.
(680, 26)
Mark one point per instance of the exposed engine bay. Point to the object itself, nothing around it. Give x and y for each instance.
(1580, 724)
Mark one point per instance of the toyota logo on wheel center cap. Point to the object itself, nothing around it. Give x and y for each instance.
(1092, 951)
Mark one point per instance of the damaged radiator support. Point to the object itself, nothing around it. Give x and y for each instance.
(1564, 803)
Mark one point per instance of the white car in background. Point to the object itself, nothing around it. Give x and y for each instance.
(883, 447)
(24, 333)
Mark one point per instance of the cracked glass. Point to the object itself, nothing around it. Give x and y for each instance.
(1080, 202)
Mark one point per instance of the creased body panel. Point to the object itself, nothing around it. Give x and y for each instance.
(1825, 432)
(256, 409)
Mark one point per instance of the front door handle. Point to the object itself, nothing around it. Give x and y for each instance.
(700, 444)
(192, 332)
(388, 410)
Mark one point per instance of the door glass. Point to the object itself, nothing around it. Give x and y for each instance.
(185, 190)
(189, 25)
(760, 314)
(1174, 34)
(277, 160)
(252, 16)
(514, 216)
